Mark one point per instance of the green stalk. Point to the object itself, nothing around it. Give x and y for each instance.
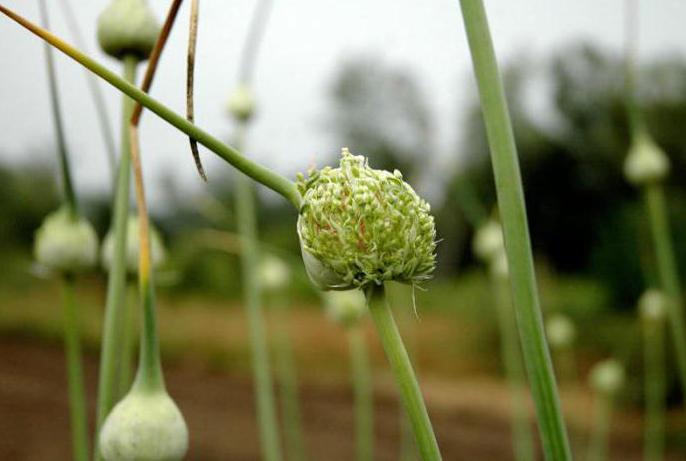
(655, 389)
(116, 282)
(77, 393)
(288, 383)
(522, 437)
(128, 340)
(602, 409)
(518, 246)
(362, 388)
(656, 208)
(405, 378)
(149, 376)
(247, 229)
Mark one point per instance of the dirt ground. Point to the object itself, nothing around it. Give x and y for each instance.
(470, 418)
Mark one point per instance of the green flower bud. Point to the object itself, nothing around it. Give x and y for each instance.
(646, 162)
(345, 308)
(159, 254)
(358, 225)
(241, 103)
(607, 377)
(561, 331)
(652, 305)
(128, 28)
(488, 241)
(66, 244)
(144, 426)
(274, 273)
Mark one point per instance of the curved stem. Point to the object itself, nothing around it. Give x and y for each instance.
(655, 389)
(77, 393)
(259, 173)
(67, 183)
(518, 246)
(656, 208)
(116, 282)
(405, 378)
(602, 416)
(362, 387)
(522, 437)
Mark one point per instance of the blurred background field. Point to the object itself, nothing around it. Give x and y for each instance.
(591, 244)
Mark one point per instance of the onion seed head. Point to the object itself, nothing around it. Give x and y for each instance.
(128, 28)
(66, 243)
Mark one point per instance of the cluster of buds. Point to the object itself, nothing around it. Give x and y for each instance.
(158, 252)
(345, 308)
(128, 28)
(66, 243)
(607, 377)
(358, 226)
(646, 163)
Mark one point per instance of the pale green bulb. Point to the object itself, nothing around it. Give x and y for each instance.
(275, 275)
(241, 103)
(158, 252)
(561, 331)
(65, 243)
(488, 241)
(646, 163)
(345, 308)
(607, 377)
(652, 305)
(128, 28)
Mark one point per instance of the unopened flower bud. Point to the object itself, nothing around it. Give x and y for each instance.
(488, 241)
(274, 273)
(646, 163)
(158, 252)
(561, 331)
(144, 426)
(607, 377)
(358, 225)
(652, 305)
(128, 28)
(345, 308)
(499, 267)
(65, 243)
(241, 103)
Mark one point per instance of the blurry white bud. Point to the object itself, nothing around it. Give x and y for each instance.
(488, 241)
(128, 28)
(158, 253)
(652, 305)
(241, 103)
(561, 331)
(346, 308)
(499, 268)
(607, 377)
(65, 243)
(646, 162)
(274, 273)
(144, 426)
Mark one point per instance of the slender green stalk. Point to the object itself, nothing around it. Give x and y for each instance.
(522, 437)
(288, 383)
(405, 378)
(247, 229)
(67, 183)
(655, 389)
(149, 376)
(128, 340)
(518, 246)
(602, 417)
(656, 208)
(259, 173)
(77, 393)
(362, 388)
(116, 282)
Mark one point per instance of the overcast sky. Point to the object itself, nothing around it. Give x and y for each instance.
(304, 43)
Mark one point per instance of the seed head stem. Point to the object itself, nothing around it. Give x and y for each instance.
(362, 389)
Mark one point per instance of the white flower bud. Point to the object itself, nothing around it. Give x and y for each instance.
(488, 241)
(241, 103)
(274, 273)
(158, 252)
(345, 308)
(652, 305)
(646, 162)
(66, 244)
(499, 267)
(128, 28)
(144, 426)
(607, 377)
(561, 331)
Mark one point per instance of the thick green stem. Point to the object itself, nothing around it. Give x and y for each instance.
(128, 343)
(67, 183)
(602, 417)
(259, 173)
(668, 274)
(522, 437)
(362, 388)
(116, 282)
(405, 378)
(247, 229)
(513, 214)
(288, 383)
(149, 376)
(655, 389)
(77, 393)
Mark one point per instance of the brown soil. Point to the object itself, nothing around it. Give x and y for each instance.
(470, 417)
